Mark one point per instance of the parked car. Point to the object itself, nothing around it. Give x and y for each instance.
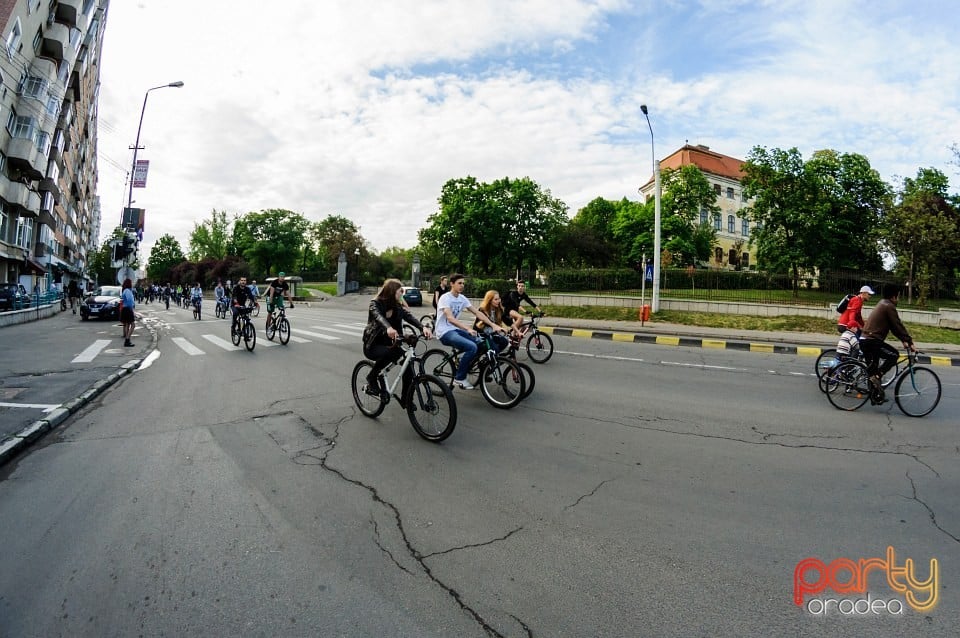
(11, 294)
(412, 296)
(103, 303)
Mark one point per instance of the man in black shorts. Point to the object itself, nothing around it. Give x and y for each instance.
(511, 304)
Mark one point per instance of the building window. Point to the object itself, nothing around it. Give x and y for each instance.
(4, 221)
(33, 86)
(24, 232)
(745, 260)
(13, 39)
(716, 221)
(716, 189)
(731, 221)
(729, 192)
(718, 254)
(22, 126)
(732, 257)
(703, 215)
(743, 196)
(745, 228)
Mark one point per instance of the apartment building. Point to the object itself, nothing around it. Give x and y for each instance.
(49, 209)
(733, 228)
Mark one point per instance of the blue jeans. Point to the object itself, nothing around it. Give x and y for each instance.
(463, 341)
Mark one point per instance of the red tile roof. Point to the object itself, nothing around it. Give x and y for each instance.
(706, 160)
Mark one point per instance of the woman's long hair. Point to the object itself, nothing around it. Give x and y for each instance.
(487, 304)
(388, 292)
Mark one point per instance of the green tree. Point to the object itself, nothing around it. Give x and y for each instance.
(210, 238)
(818, 214)
(334, 234)
(271, 239)
(99, 265)
(499, 227)
(166, 254)
(633, 229)
(922, 230)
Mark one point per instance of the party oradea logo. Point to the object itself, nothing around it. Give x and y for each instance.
(859, 583)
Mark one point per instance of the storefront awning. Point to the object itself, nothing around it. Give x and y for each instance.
(35, 267)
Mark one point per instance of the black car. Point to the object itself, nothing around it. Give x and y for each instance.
(104, 303)
(13, 295)
(412, 296)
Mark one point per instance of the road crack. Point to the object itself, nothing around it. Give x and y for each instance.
(588, 494)
(930, 512)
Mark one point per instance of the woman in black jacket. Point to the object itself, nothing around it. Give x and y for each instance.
(384, 326)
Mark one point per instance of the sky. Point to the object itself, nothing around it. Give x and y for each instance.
(365, 108)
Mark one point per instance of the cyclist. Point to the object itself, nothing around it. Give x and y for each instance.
(881, 356)
(492, 306)
(852, 317)
(196, 297)
(511, 304)
(456, 334)
(238, 299)
(255, 291)
(276, 291)
(384, 326)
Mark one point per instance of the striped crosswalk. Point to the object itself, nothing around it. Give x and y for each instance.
(208, 343)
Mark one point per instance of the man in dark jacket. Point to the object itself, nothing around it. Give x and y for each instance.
(881, 356)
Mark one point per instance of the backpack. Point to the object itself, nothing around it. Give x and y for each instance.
(842, 306)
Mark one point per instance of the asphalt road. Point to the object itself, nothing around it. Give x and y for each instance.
(642, 490)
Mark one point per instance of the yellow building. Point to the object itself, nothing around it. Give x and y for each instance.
(724, 172)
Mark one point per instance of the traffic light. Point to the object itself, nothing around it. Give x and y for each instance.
(117, 252)
(128, 245)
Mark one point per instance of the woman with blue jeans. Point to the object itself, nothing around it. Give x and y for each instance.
(455, 333)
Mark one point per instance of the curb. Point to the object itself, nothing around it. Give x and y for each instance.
(721, 344)
(17, 443)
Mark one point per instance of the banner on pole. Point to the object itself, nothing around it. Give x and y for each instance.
(140, 173)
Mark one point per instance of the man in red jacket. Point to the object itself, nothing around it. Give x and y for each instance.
(852, 319)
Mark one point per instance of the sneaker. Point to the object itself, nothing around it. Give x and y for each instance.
(463, 384)
(128, 344)
(372, 390)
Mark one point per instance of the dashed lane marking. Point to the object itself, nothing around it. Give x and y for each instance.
(91, 352)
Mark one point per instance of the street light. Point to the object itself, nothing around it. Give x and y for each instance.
(136, 145)
(655, 301)
(356, 251)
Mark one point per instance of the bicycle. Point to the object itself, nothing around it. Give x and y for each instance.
(197, 301)
(428, 402)
(501, 380)
(831, 358)
(280, 324)
(849, 387)
(539, 345)
(222, 307)
(242, 327)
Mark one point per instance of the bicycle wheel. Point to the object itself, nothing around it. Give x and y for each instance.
(529, 379)
(440, 364)
(235, 332)
(827, 359)
(249, 336)
(848, 386)
(284, 330)
(256, 310)
(370, 406)
(502, 384)
(539, 347)
(917, 392)
(428, 321)
(271, 328)
(431, 408)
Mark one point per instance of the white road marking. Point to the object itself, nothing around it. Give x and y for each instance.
(293, 338)
(223, 343)
(146, 363)
(701, 365)
(46, 407)
(92, 351)
(187, 347)
(352, 333)
(315, 334)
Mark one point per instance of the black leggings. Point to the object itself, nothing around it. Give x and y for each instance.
(383, 355)
(875, 351)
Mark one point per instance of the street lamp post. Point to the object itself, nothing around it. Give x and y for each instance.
(655, 301)
(356, 252)
(136, 145)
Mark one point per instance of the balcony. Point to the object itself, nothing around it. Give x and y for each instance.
(23, 200)
(46, 217)
(22, 154)
(46, 69)
(70, 13)
(49, 185)
(59, 42)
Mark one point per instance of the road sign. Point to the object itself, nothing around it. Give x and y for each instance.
(126, 273)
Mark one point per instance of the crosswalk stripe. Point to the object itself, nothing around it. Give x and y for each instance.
(223, 343)
(92, 351)
(187, 347)
(315, 334)
(292, 338)
(352, 333)
(355, 326)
